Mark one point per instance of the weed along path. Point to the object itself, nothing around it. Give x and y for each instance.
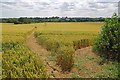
(53, 71)
(86, 62)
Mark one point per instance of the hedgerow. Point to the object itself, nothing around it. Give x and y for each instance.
(107, 43)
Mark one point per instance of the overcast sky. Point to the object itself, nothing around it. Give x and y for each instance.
(61, 8)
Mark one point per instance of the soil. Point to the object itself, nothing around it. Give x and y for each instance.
(90, 63)
(54, 71)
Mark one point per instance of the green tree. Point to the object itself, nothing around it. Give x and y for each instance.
(107, 43)
(24, 20)
(11, 20)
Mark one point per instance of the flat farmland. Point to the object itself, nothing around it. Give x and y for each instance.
(56, 49)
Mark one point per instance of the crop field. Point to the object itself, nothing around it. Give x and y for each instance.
(63, 40)
(17, 60)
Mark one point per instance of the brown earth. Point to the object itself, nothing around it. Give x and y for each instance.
(54, 71)
(90, 62)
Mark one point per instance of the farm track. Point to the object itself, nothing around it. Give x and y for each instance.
(54, 71)
(90, 64)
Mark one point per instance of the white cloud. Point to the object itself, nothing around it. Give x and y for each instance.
(90, 8)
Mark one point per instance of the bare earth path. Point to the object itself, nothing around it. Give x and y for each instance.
(86, 66)
(87, 63)
(53, 71)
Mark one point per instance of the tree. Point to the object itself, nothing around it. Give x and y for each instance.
(11, 20)
(107, 43)
(25, 20)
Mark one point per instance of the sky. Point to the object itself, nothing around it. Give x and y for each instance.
(60, 8)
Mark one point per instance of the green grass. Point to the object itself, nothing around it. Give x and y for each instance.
(109, 69)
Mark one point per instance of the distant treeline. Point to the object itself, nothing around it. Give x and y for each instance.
(25, 20)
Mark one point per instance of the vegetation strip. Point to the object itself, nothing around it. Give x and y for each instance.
(39, 50)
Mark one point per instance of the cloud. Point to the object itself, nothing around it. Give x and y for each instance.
(67, 6)
(98, 5)
(107, 1)
(42, 5)
(91, 8)
(9, 3)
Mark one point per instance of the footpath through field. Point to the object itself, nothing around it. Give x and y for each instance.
(53, 71)
(86, 56)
